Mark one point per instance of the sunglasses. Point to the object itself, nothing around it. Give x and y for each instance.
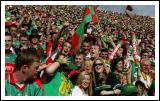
(98, 64)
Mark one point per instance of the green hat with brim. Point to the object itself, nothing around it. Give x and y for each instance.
(129, 90)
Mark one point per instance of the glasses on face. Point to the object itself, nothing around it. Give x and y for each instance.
(98, 64)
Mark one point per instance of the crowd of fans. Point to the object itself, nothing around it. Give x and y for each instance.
(40, 60)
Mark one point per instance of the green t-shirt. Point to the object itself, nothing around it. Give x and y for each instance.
(16, 43)
(10, 58)
(44, 46)
(30, 89)
(57, 85)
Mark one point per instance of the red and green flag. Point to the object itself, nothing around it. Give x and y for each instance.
(77, 36)
(89, 16)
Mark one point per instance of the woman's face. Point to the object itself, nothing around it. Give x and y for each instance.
(99, 66)
(87, 67)
(61, 40)
(119, 66)
(119, 52)
(86, 81)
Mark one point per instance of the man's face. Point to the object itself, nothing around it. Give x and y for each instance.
(103, 55)
(8, 42)
(13, 30)
(94, 51)
(66, 48)
(23, 30)
(54, 28)
(79, 60)
(86, 46)
(145, 66)
(24, 41)
(33, 70)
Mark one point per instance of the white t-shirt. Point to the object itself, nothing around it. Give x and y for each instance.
(76, 91)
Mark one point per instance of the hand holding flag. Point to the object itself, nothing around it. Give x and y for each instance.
(89, 15)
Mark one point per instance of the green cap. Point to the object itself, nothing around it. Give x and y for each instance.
(129, 90)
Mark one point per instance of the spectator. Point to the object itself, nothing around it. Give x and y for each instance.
(142, 91)
(56, 26)
(104, 77)
(34, 44)
(73, 74)
(88, 66)
(21, 81)
(146, 74)
(83, 86)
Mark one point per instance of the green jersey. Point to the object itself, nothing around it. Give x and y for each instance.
(16, 43)
(29, 89)
(10, 58)
(57, 85)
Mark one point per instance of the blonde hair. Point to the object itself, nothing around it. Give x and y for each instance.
(105, 71)
(90, 62)
(81, 78)
(104, 65)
